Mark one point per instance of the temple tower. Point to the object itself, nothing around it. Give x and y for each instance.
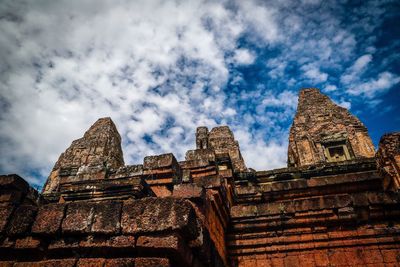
(325, 132)
(90, 156)
(219, 140)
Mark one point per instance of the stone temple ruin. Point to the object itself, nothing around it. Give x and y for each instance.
(336, 204)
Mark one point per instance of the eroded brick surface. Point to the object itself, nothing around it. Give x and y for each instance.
(22, 219)
(49, 218)
(79, 217)
(152, 262)
(158, 215)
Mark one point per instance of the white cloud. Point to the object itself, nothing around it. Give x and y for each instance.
(356, 70)
(261, 155)
(373, 87)
(330, 88)
(313, 72)
(243, 57)
(283, 99)
(260, 19)
(155, 67)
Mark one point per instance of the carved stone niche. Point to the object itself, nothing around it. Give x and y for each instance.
(337, 151)
(337, 147)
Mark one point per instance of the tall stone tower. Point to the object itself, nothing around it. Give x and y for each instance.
(325, 132)
(98, 150)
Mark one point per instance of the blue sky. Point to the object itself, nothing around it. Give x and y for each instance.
(160, 68)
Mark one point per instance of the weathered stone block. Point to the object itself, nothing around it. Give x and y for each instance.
(106, 218)
(27, 243)
(48, 263)
(122, 241)
(160, 161)
(10, 196)
(122, 262)
(48, 219)
(22, 220)
(5, 213)
(360, 199)
(209, 181)
(188, 191)
(13, 182)
(152, 262)
(159, 215)
(171, 242)
(78, 218)
(94, 262)
(6, 263)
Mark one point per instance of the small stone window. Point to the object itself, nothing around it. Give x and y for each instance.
(337, 151)
(222, 167)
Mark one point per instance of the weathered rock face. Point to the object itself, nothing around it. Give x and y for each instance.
(91, 156)
(325, 132)
(388, 160)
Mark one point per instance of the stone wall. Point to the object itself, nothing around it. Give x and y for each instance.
(336, 215)
(134, 232)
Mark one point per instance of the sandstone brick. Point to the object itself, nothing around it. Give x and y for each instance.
(121, 262)
(292, 261)
(152, 262)
(11, 196)
(371, 256)
(360, 199)
(48, 263)
(353, 257)
(22, 220)
(14, 182)
(5, 213)
(173, 244)
(93, 262)
(159, 161)
(48, 219)
(321, 258)
(78, 218)
(6, 263)
(159, 215)
(390, 255)
(188, 191)
(63, 244)
(122, 242)
(306, 259)
(27, 242)
(106, 218)
(162, 242)
(337, 257)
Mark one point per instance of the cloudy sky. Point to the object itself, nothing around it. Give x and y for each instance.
(161, 68)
